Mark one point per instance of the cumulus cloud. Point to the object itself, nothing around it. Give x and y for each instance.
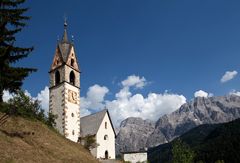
(151, 107)
(6, 96)
(127, 104)
(201, 93)
(133, 80)
(43, 97)
(229, 75)
(94, 99)
(234, 92)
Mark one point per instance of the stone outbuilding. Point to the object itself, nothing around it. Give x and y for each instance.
(135, 156)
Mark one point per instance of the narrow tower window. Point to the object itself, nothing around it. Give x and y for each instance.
(105, 125)
(72, 78)
(57, 77)
(72, 62)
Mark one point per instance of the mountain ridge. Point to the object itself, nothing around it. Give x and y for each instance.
(198, 111)
(210, 143)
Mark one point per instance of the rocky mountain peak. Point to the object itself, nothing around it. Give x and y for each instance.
(136, 133)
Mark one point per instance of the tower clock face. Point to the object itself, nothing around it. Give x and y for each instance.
(72, 96)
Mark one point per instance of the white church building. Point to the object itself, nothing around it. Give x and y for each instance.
(64, 102)
(100, 126)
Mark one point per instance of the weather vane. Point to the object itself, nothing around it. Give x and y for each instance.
(65, 20)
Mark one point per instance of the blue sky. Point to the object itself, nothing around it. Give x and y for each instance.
(177, 45)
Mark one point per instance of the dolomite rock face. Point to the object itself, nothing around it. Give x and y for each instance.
(136, 133)
(199, 111)
(133, 134)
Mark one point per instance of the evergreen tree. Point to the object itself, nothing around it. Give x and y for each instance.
(12, 20)
(182, 153)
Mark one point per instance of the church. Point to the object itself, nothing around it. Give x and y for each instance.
(64, 102)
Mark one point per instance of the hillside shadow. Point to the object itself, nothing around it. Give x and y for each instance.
(16, 133)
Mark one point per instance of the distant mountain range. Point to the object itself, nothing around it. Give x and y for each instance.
(136, 134)
(210, 143)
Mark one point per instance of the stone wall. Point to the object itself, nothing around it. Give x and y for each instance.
(135, 157)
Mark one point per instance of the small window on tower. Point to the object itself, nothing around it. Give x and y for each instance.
(72, 62)
(73, 132)
(105, 125)
(72, 78)
(57, 77)
(72, 115)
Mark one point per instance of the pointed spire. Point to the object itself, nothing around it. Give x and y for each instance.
(65, 38)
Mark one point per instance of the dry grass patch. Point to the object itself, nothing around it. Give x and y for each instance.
(23, 140)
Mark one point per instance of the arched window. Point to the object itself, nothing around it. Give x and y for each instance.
(57, 77)
(73, 132)
(72, 78)
(105, 137)
(72, 62)
(72, 115)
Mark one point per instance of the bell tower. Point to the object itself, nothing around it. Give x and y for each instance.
(64, 100)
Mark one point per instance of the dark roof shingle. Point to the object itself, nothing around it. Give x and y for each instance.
(90, 124)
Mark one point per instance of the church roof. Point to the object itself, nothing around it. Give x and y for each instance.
(90, 124)
(64, 48)
(64, 45)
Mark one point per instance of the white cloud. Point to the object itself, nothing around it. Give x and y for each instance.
(202, 93)
(6, 96)
(94, 99)
(127, 104)
(234, 92)
(229, 75)
(210, 95)
(134, 81)
(27, 93)
(43, 97)
(151, 107)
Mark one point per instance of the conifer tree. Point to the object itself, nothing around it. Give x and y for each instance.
(182, 153)
(12, 21)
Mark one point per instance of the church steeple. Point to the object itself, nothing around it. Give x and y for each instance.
(65, 89)
(65, 37)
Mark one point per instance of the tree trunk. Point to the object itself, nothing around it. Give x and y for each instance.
(1, 96)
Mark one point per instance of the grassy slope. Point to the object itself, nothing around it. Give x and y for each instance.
(44, 146)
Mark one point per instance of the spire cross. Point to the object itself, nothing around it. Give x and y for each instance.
(65, 39)
(65, 21)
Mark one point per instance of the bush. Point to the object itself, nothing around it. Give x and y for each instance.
(89, 142)
(27, 107)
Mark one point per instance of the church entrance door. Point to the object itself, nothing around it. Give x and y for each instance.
(106, 154)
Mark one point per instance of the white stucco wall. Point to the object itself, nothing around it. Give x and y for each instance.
(60, 106)
(56, 106)
(105, 145)
(72, 123)
(135, 157)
